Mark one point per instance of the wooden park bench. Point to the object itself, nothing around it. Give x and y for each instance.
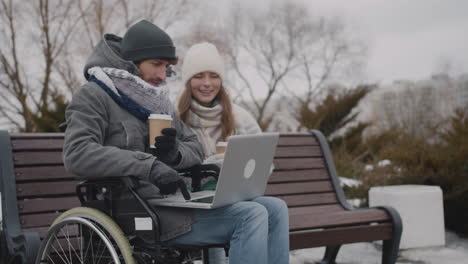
(36, 188)
(319, 215)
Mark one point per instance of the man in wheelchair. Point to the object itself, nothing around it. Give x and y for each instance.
(106, 141)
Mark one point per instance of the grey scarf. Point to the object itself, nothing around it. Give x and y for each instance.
(123, 84)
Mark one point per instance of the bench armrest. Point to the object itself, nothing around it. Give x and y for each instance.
(23, 246)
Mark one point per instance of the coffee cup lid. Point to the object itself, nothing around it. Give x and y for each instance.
(160, 116)
(221, 144)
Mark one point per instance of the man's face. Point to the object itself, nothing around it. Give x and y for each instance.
(153, 71)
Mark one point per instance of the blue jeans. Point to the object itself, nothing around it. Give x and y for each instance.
(257, 231)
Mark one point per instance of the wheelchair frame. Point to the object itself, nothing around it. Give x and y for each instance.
(100, 194)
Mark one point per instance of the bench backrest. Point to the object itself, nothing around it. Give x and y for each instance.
(302, 173)
(44, 188)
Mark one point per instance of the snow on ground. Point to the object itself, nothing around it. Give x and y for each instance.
(454, 252)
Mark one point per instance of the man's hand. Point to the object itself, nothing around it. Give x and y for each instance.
(167, 146)
(171, 188)
(168, 188)
(164, 177)
(167, 179)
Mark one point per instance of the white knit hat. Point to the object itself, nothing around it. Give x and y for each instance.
(202, 57)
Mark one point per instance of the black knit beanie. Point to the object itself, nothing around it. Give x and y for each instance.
(145, 41)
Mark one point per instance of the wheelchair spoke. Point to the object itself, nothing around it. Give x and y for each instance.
(101, 253)
(58, 253)
(70, 245)
(61, 248)
(81, 243)
(92, 247)
(87, 247)
(53, 262)
(77, 240)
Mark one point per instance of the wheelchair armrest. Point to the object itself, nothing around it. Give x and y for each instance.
(130, 182)
(107, 183)
(200, 171)
(106, 180)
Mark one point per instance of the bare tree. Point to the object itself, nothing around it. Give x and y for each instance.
(25, 94)
(12, 83)
(57, 36)
(161, 12)
(283, 45)
(263, 49)
(326, 53)
(417, 108)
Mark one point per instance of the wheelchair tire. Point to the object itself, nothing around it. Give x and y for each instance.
(94, 231)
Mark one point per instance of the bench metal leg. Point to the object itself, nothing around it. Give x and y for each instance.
(205, 256)
(390, 251)
(391, 246)
(330, 255)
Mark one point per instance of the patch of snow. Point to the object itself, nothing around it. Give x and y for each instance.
(355, 202)
(384, 163)
(369, 167)
(349, 182)
(455, 252)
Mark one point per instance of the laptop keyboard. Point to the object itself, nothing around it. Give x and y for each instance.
(203, 200)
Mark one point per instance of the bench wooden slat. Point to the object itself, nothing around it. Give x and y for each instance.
(339, 236)
(298, 188)
(330, 219)
(38, 220)
(298, 140)
(36, 135)
(37, 158)
(317, 209)
(42, 231)
(298, 176)
(298, 151)
(298, 163)
(42, 173)
(309, 199)
(34, 144)
(46, 189)
(47, 204)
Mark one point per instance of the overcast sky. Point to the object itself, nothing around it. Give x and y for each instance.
(408, 39)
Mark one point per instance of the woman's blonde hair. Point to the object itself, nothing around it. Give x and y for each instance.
(228, 125)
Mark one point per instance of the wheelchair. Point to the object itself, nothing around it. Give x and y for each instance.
(117, 231)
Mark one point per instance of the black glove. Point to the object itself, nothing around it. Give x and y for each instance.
(171, 188)
(167, 179)
(167, 146)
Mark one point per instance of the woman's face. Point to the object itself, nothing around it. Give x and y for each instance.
(205, 86)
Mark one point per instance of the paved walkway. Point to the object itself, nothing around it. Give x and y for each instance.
(455, 252)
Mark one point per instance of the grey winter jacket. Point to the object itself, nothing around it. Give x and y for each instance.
(103, 139)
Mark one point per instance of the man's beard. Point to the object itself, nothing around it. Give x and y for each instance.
(155, 82)
(161, 83)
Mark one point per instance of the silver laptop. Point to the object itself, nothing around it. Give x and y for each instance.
(244, 174)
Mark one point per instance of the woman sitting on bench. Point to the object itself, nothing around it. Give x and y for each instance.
(205, 106)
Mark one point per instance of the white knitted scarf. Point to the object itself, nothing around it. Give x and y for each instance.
(206, 123)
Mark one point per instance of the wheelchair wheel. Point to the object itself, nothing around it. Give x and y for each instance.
(85, 235)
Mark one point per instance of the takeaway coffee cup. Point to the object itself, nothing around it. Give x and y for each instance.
(157, 122)
(221, 146)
